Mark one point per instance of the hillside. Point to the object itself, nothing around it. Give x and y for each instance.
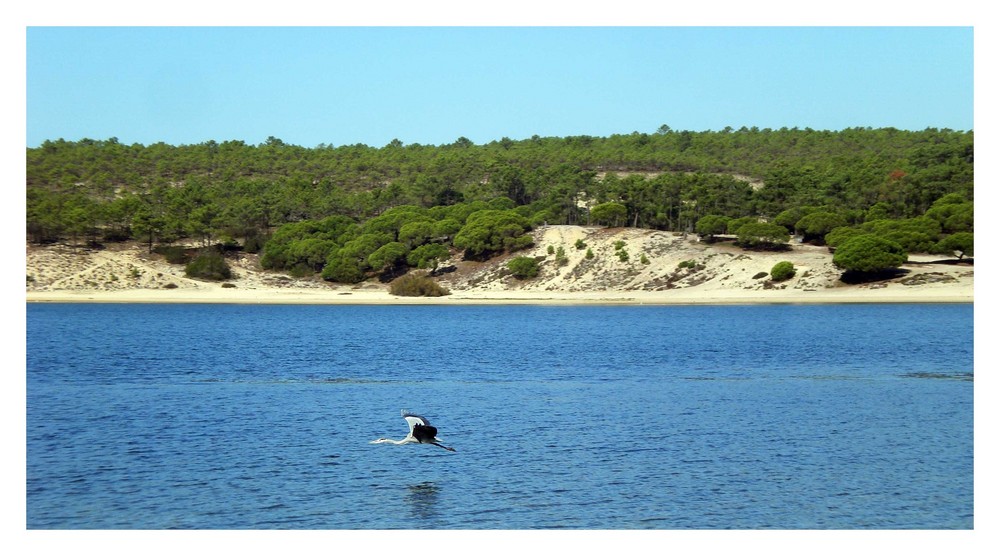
(719, 272)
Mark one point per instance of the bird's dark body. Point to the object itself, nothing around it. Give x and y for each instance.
(424, 433)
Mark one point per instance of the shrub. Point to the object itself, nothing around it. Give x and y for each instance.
(412, 285)
(589, 255)
(561, 258)
(208, 265)
(174, 254)
(254, 244)
(523, 267)
(580, 244)
(782, 271)
(643, 259)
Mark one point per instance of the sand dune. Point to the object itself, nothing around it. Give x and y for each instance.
(651, 273)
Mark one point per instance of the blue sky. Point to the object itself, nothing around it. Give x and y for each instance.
(432, 85)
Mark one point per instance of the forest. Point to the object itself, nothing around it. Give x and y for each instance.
(355, 211)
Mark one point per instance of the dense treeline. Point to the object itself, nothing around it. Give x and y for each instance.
(352, 211)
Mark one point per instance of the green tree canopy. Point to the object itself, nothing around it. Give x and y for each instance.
(762, 235)
(609, 214)
(388, 256)
(839, 235)
(869, 253)
(961, 242)
(711, 225)
(815, 225)
(487, 232)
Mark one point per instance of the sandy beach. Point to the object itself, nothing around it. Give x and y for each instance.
(652, 274)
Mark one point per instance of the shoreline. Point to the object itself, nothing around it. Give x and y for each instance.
(281, 296)
(672, 270)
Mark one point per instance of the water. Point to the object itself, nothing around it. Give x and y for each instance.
(260, 417)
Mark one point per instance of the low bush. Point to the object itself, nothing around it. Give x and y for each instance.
(523, 267)
(174, 254)
(412, 285)
(782, 271)
(208, 265)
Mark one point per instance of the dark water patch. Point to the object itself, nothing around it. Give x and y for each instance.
(968, 377)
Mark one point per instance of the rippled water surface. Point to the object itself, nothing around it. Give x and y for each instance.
(239, 416)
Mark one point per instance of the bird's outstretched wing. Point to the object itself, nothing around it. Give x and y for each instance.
(413, 419)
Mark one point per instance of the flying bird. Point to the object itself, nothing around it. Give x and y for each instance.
(421, 432)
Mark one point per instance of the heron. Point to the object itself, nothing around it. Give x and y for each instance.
(421, 432)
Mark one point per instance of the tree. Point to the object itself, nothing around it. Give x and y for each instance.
(416, 233)
(869, 253)
(609, 214)
(711, 225)
(736, 223)
(427, 256)
(953, 212)
(839, 235)
(487, 232)
(915, 235)
(387, 257)
(762, 235)
(961, 242)
(342, 268)
(790, 217)
(815, 225)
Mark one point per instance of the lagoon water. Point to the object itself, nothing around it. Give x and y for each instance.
(678, 417)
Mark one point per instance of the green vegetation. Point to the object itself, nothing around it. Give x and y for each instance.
(762, 235)
(960, 243)
(609, 214)
(412, 285)
(208, 265)
(814, 226)
(782, 271)
(523, 267)
(869, 253)
(561, 258)
(354, 212)
(712, 225)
